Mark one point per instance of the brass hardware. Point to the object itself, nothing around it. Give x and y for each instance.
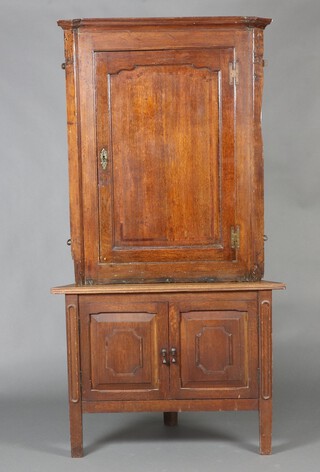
(104, 158)
(233, 73)
(164, 356)
(173, 354)
(265, 237)
(235, 237)
(63, 66)
(69, 242)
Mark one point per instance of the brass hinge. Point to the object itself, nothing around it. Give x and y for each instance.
(235, 237)
(233, 73)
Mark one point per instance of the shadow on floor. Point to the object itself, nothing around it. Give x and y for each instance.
(42, 424)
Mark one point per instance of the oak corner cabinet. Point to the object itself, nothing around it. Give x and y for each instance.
(169, 311)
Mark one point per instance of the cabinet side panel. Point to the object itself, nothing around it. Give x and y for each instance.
(257, 193)
(70, 41)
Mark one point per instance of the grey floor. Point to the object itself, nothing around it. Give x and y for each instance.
(34, 437)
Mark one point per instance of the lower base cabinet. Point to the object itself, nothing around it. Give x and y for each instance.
(169, 348)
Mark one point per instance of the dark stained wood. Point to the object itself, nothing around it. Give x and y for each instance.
(184, 149)
(257, 181)
(190, 22)
(217, 348)
(122, 337)
(226, 404)
(121, 342)
(219, 352)
(265, 362)
(162, 118)
(170, 418)
(74, 156)
(75, 400)
(169, 288)
(173, 106)
(214, 353)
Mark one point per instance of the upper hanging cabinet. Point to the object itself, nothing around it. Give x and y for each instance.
(165, 149)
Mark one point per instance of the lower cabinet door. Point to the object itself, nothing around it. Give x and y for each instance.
(187, 347)
(121, 346)
(216, 349)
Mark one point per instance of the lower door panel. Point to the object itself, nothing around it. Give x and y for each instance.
(120, 346)
(217, 350)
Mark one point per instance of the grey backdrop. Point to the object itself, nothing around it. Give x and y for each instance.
(34, 255)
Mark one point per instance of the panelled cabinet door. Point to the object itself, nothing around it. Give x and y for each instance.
(165, 141)
(204, 347)
(121, 350)
(217, 350)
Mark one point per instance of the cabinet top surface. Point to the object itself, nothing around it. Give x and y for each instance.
(168, 288)
(204, 21)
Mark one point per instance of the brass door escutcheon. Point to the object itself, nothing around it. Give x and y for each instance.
(104, 158)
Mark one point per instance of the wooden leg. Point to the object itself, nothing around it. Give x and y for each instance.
(75, 406)
(265, 364)
(75, 415)
(265, 426)
(170, 418)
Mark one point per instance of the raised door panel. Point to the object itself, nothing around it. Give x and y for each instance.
(217, 351)
(165, 126)
(165, 197)
(121, 347)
